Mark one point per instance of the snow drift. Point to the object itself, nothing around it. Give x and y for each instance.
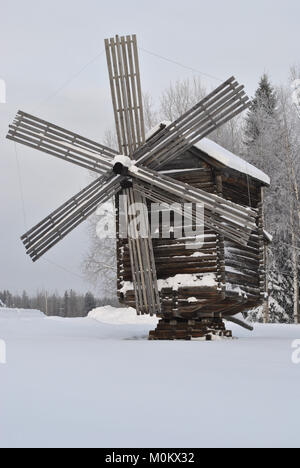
(122, 316)
(80, 383)
(6, 313)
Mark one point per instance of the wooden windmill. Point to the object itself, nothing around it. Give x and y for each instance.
(147, 268)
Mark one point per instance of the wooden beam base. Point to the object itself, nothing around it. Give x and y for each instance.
(188, 330)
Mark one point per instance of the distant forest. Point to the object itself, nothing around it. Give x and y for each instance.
(71, 304)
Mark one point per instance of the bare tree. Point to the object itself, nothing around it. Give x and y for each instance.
(110, 139)
(150, 114)
(180, 97)
(99, 264)
(291, 149)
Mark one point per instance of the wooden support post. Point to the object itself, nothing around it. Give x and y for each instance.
(266, 304)
(221, 243)
(266, 301)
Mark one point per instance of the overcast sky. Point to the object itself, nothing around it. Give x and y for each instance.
(44, 44)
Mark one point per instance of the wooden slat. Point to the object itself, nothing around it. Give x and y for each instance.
(211, 109)
(113, 92)
(244, 219)
(59, 150)
(136, 103)
(62, 132)
(212, 202)
(222, 90)
(133, 137)
(229, 231)
(61, 222)
(125, 93)
(49, 138)
(139, 89)
(182, 143)
(119, 102)
(124, 75)
(64, 210)
(127, 103)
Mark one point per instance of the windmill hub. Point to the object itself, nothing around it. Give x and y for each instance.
(122, 164)
(119, 169)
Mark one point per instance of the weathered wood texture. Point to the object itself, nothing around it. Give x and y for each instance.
(188, 330)
(125, 84)
(62, 221)
(217, 108)
(59, 142)
(124, 76)
(238, 269)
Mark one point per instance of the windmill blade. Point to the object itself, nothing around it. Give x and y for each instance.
(142, 256)
(56, 141)
(220, 106)
(124, 75)
(224, 213)
(125, 84)
(65, 219)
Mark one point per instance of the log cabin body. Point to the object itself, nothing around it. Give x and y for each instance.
(221, 278)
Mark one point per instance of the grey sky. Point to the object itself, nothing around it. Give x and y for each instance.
(44, 44)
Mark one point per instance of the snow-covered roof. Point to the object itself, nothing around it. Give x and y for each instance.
(222, 155)
(230, 160)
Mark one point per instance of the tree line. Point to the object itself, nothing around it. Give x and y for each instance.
(70, 304)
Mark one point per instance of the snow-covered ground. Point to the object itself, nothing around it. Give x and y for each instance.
(81, 382)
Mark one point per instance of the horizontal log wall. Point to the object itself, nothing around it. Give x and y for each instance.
(238, 270)
(244, 266)
(175, 256)
(242, 190)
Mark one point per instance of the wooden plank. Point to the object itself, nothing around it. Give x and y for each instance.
(124, 109)
(76, 155)
(57, 138)
(113, 92)
(220, 239)
(220, 91)
(124, 145)
(60, 143)
(139, 89)
(198, 129)
(231, 232)
(129, 98)
(64, 210)
(137, 263)
(59, 131)
(217, 101)
(140, 249)
(62, 227)
(139, 137)
(44, 148)
(189, 194)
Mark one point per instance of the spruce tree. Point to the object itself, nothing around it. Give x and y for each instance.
(66, 305)
(89, 302)
(263, 108)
